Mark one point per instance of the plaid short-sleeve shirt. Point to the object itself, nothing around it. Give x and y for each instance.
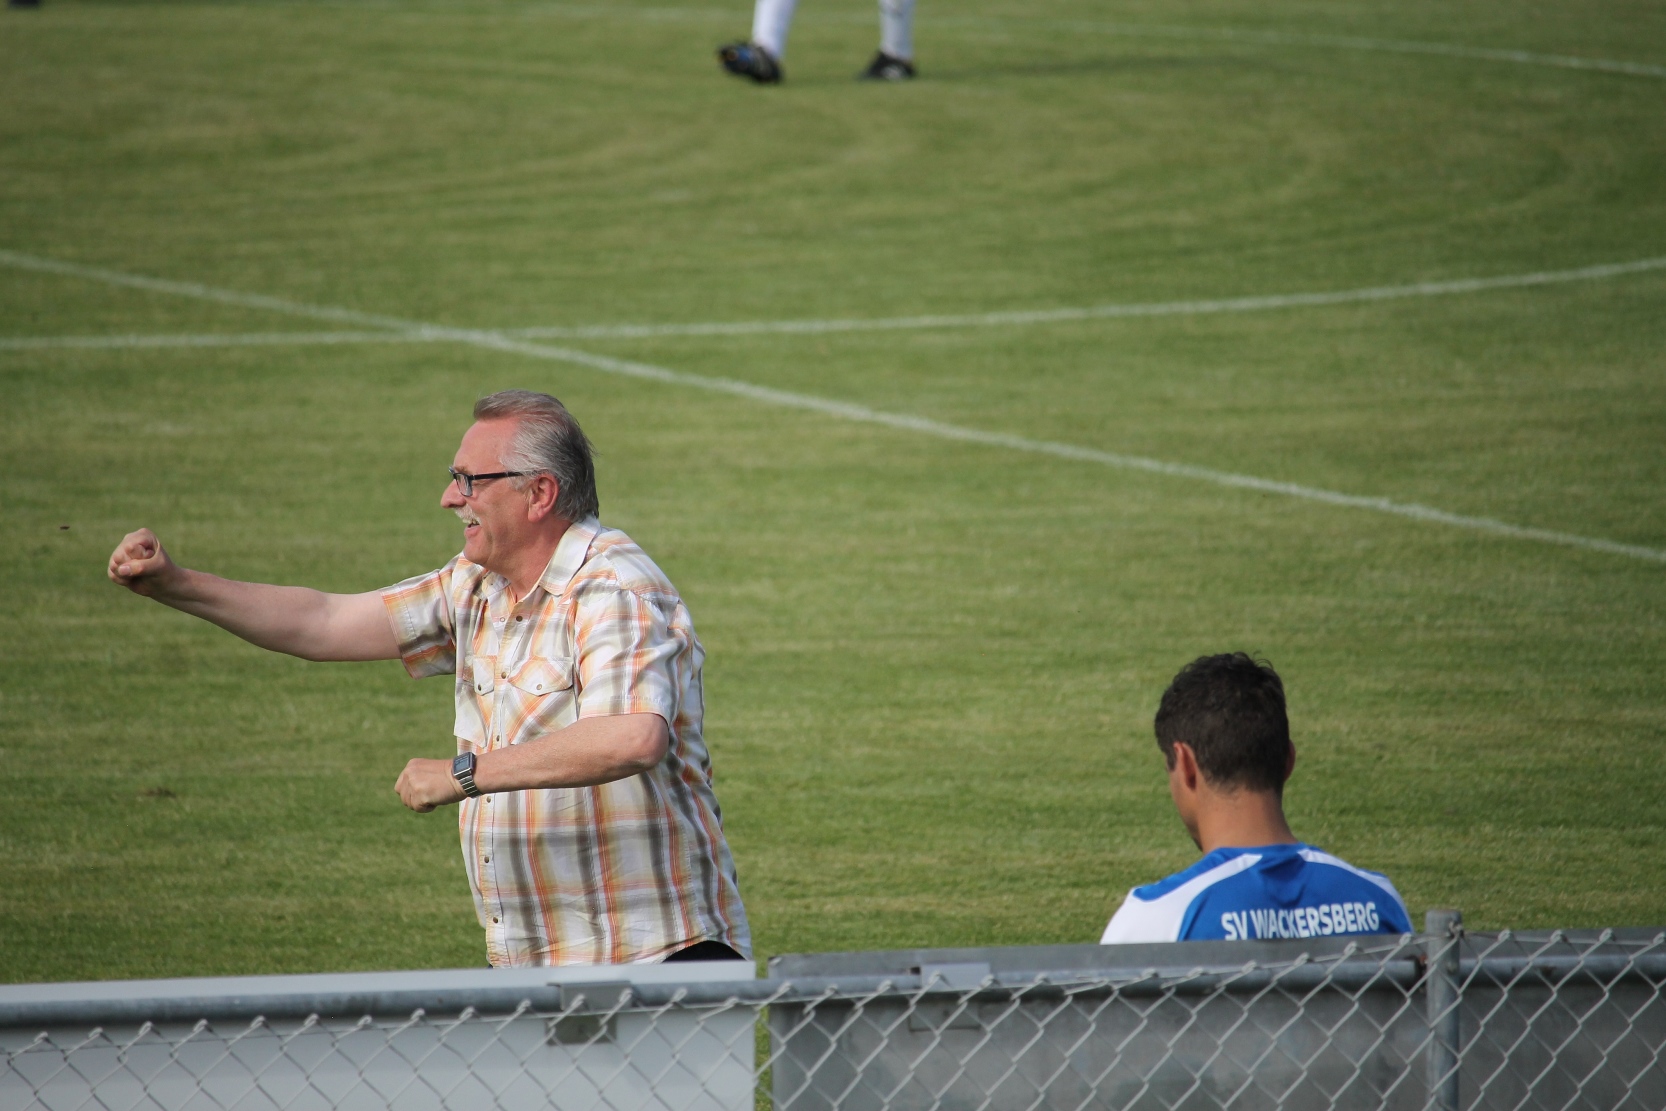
(631, 870)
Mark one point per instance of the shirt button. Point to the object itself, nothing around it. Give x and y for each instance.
(520, 619)
(494, 920)
(488, 860)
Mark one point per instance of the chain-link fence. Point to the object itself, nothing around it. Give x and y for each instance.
(1440, 1022)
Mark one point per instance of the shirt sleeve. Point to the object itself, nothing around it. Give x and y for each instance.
(424, 622)
(1134, 922)
(629, 655)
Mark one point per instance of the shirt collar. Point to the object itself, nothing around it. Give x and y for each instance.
(570, 554)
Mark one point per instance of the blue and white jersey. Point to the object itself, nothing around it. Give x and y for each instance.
(1274, 891)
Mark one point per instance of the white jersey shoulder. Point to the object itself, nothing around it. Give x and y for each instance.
(1159, 919)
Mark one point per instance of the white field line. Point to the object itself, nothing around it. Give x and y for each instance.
(497, 341)
(404, 332)
(22, 261)
(1093, 312)
(848, 411)
(245, 339)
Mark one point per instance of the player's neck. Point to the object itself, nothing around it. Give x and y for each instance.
(1242, 820)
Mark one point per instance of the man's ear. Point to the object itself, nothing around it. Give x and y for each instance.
(540, 497)
(1185, 762)
(1290, 764)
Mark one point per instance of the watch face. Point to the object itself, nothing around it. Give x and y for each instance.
(463, 763)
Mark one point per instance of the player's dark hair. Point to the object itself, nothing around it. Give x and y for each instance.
(547, 441)
(1230, 710)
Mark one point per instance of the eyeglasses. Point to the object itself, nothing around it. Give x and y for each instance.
(465, 482)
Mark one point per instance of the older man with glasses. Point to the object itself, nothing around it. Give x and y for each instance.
(590, 830)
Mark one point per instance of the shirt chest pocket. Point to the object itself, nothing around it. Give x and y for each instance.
(543, 686)
(543, 675)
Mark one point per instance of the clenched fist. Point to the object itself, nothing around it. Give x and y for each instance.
(425, 784)
(140, 564)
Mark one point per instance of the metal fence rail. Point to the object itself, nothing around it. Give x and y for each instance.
(1438, 1022)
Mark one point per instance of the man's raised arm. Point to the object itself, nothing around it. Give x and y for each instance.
(306, 623)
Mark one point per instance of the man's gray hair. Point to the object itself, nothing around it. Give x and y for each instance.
(548, 441)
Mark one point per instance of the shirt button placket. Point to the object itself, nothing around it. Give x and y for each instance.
(500, 688)
(488, 874)
(489, 886)
(500, 694)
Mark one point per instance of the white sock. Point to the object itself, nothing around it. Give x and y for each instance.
(771, 20)
(896, 28)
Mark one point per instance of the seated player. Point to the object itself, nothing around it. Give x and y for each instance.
(1223, 730)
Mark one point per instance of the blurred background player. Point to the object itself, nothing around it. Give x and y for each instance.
(760, 58)
(1223, 731)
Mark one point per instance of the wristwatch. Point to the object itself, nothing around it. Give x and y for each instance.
(462, 770)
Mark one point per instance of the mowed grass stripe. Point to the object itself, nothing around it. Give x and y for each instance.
(1339, 42)
(850, 411)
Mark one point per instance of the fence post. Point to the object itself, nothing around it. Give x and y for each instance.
(1444, 930)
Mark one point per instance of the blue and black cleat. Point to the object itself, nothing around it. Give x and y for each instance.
(748, 59)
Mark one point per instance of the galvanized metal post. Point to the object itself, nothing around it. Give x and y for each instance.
(1444, 930)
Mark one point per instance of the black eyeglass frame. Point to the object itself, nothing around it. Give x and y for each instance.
(465, 482)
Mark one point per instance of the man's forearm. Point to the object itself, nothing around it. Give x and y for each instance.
(296, 620)
(586, 753)
(590, 751)
(292, 619)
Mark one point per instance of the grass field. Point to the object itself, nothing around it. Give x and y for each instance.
(932, 662)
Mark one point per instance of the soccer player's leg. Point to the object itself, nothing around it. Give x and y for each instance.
(895, 60)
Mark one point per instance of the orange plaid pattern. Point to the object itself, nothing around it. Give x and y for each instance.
(631, 870)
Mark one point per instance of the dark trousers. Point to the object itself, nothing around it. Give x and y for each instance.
(705, 951)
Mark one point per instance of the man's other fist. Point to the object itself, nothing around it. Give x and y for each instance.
(425, 784)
